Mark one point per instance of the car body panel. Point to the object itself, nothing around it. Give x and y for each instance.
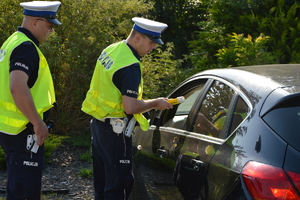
(202, 166)
(292, 160)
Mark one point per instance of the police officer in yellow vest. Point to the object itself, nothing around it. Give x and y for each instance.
(26, 97)
(115, 95)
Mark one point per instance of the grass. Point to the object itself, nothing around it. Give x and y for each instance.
(87, 156)
(52, 142)
(86, 173)
(84, 141)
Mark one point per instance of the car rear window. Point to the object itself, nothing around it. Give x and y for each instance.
(285, 121)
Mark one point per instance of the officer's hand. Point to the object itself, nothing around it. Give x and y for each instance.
(162, 104)
(41, 131)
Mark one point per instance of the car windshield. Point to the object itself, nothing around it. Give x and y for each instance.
(285, 121)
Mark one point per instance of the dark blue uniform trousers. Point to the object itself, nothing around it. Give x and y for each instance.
(24, 168)
(112, 162)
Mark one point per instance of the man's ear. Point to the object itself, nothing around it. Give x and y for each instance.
(34, 24)
(138, 37)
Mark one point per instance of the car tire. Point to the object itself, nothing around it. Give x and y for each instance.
(138, 189)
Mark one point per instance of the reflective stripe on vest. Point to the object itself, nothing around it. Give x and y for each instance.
(104, 100)
(12, 120)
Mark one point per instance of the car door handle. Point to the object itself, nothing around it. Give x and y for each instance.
(197, 164)
(162, 152)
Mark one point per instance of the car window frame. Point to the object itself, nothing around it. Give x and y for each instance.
(238, 93)
(160, 118)
(200, 103)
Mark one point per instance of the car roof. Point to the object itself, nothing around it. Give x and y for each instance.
(269, 76)
(259, 81)
(284, 74)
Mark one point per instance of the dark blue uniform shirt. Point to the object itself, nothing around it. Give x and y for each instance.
(25, 58)
(128, 79)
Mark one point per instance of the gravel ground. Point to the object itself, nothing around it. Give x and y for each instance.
(62, 176)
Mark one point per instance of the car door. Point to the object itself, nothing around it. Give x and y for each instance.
(180, 150)
(156, 150)
(225, 107)
(195, 145)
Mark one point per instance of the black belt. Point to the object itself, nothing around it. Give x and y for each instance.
(106, 120)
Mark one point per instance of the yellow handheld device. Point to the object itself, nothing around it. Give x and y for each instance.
(177, 100)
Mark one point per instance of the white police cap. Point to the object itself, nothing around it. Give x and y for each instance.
(44, 9)
(150, 28)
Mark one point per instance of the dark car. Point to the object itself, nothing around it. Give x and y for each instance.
(236, 136)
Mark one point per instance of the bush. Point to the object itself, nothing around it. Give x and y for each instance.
(282, 24)
(244, 51)
(161, 72)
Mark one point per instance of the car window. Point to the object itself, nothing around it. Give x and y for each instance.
(284, 119)
(212, 114)
(183, 109)
(241, 111)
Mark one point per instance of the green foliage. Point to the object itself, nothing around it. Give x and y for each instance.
(87, 156)
(10, 17)
(283, 26)
(91, 25)
(52, 142)
(277, 19)
(236, 16)
(204, 49)
(243, 51)
(88, 26)
(198, 31)
(161, 72)
(182, 17)
(86, 173)
(81, 140)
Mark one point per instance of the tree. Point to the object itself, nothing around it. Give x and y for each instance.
(282, 24)
(182, 17)
(88, 26)
(276, 19)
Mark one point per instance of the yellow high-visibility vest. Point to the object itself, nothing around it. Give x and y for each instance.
(12, 120)
(104, 100)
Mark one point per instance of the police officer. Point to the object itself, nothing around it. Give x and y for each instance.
(26, 96)
(115, 94)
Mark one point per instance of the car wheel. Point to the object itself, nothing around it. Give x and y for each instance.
(138, 189)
